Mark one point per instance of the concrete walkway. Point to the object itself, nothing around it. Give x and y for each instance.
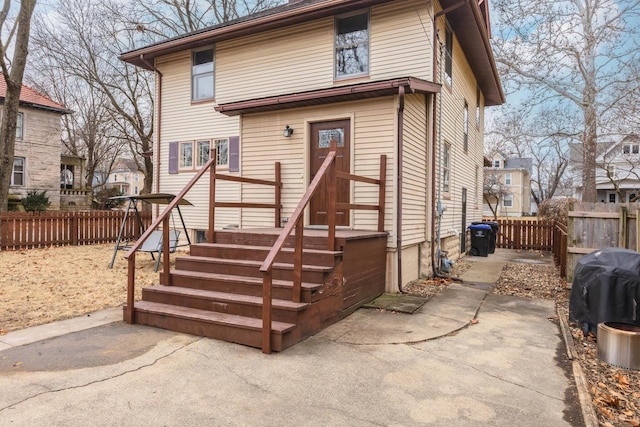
(436, 367)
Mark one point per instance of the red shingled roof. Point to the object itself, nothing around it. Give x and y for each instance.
(32, 98)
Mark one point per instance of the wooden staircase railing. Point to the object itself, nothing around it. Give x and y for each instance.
(328, 169)
(163, 218)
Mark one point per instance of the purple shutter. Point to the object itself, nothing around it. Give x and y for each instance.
(173, 157)
(234, 154)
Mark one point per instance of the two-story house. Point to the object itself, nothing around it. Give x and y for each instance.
(507, 186)
(618, 170)
(408, 79)
(36, 164)
(126, 177)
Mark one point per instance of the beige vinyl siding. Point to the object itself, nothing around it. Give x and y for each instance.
(401, 41)
(463, 164)
(374, 126)
(183, 121)
(300, 58)
(414, 176)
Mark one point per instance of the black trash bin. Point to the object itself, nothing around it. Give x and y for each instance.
(480, 239)
(495, 229)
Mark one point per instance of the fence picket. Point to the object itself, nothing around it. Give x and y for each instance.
(20, 230)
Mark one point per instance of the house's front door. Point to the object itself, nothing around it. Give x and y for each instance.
(321, 136)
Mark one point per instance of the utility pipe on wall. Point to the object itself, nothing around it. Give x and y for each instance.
(399, 191)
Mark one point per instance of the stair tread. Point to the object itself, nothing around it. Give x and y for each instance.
(210, 316)
(265, 247)
(226, 296)
(241, 279)
(257, 264)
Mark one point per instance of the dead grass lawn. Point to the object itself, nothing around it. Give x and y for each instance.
(43, 285)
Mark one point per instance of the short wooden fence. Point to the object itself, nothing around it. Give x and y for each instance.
(19, 230)
(535, 235)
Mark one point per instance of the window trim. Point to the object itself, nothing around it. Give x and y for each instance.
(22, 172)
(335, 45)
(196, 161)
(181, 165)
(478, 107)
(212, 72)
(508, 179)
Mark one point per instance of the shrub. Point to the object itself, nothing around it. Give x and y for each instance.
(36, 201)
(555, 209)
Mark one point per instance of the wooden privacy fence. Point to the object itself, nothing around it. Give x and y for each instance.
(593, 226)
(19, 230)
(525, 235)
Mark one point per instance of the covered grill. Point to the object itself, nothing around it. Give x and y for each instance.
(606, 288)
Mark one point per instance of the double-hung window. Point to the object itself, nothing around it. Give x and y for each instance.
(446, 167)
(186, 155)
(352, 46)
(17, 174)
(20, 126)
(448, 58)
(507, 201)
(202, 75)
(507, 179)
(202, 148)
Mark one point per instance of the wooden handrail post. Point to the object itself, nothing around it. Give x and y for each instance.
(381, 192)
(211, 238)
(131, 286)
(297, 261)
(278, 201)
(266, 312)
(165, 250)
(331, 211)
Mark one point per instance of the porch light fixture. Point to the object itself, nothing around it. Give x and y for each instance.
(287, 131)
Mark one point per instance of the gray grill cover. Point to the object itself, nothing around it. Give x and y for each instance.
(606, 288)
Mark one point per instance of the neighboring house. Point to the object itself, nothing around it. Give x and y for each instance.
(36, 164)
(279, 84)
(618, 171)
(74, 193)
(126, 177)
(507, 186)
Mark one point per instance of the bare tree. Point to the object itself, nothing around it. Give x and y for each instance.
(17, 36)
(83, 40)
(544, 139)
(494, 190)
(574, 54)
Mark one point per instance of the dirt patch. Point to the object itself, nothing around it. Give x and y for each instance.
(43, 285)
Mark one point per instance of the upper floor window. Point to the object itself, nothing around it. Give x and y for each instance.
(446, 167)
(611, 170)
(202, 77)
(496, 163)
(17, 174)
(507, 201)
(352, 46)
(631, 148)
(507, 179)
(448, 58)
(465, 126)
(20, 126)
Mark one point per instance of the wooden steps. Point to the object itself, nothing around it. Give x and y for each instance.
(216, 291)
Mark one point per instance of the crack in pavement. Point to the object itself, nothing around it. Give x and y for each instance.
(49, 390)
